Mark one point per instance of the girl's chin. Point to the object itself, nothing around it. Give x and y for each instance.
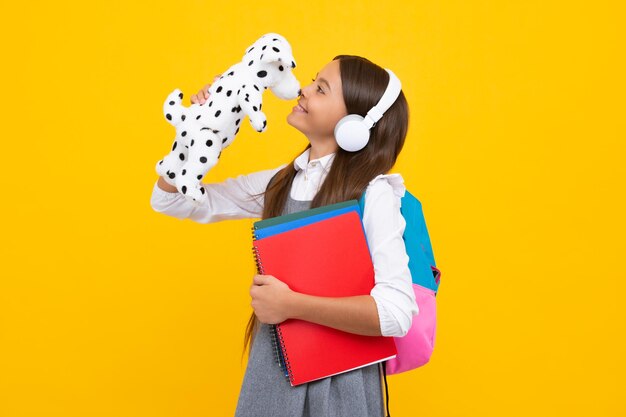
(293, 115)
(295, 123)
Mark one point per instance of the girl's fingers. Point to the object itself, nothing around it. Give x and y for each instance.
(205, 90)
(203, 94)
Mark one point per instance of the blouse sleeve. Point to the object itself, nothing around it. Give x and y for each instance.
(384, 226)
(233, 198)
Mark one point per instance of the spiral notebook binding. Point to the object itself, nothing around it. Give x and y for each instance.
(278, 350)
(288, 371)
(277, 347)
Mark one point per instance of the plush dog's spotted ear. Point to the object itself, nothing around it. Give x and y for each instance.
(277, 51)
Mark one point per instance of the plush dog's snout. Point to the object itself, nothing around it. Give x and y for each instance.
(299, 92)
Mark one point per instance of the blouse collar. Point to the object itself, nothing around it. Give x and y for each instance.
(302, 160)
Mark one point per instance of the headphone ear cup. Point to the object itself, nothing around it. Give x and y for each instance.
(351, 133)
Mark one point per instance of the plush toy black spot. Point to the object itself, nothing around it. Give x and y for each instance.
(264, 123)
(198, 117)
(181, 96)
(280, 67)
(209, 142)
(263, 49)
(223, 140)
(184, 133)
(261, 74)
(293, 64)
(228, 93)
(237, 122)
(191, 142)
(231, 73)
(202, 190)
(184, 189)
(203, 159)
(172, 103)
(210, 103)
(181, 156)
(174, 147)
(254, 108)
(169, 116)
(182, 117)
(217, 113)
(184, 171)
(249, 63)
(256, 88)
(218, 89)
(275, 49)
(199, 177)
(171, 175)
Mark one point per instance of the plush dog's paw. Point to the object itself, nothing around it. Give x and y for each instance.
(196, 195)
(259, 122)
(160, 168)
(172, 108)
(170, 177)
(167, 169)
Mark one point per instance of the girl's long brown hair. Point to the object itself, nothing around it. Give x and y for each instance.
(363, 84)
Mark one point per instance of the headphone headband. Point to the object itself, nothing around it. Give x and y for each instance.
(388, 98)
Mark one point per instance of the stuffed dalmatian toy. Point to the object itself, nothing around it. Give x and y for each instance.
(204, 130)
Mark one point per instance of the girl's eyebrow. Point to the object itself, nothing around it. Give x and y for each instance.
(323, 80)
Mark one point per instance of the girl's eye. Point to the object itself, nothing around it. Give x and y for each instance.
(318, 87)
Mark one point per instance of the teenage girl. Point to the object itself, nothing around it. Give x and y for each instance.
(324, 173)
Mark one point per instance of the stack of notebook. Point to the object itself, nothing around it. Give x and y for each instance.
(323, 252)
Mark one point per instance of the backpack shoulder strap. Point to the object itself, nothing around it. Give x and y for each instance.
(417, 239)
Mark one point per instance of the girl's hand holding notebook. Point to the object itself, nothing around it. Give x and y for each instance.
(271, 299)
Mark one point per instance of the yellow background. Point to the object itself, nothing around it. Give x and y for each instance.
(515, 148)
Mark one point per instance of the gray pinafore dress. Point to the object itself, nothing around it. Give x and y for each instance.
(266, 392)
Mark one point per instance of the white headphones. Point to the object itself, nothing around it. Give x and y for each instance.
(353, 131)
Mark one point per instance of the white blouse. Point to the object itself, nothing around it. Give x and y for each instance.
(382, 221)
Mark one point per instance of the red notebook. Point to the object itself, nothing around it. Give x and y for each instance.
(327, 258)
